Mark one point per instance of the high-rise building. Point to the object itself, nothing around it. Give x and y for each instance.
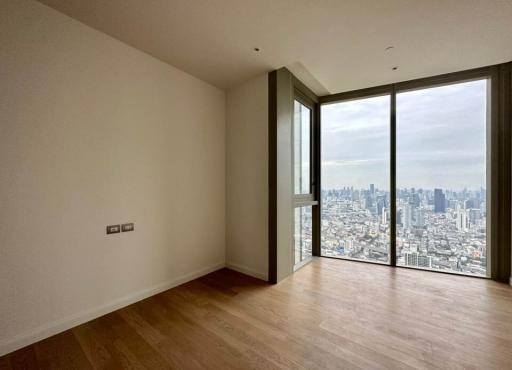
(425, 261)
(414, 259)
(420, 217)
(439, 201)
(461, 220)
(414, 199)
(407, 221)
(411, 259)
(474, 215)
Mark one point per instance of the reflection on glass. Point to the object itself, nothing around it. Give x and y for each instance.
(441, 178)
(355, 179)
(302, 236)
(302, 148)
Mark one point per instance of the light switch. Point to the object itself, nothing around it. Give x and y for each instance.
(113, 229)
(127, 227)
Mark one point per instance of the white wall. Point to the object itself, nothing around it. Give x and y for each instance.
(94, 132)
(247, 177)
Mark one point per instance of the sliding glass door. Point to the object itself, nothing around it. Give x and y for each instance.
(355, 214)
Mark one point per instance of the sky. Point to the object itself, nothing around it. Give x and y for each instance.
(441, 139)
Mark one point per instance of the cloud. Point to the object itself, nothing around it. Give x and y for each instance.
(441, 139)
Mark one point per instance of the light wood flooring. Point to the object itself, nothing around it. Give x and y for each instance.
(331, 314)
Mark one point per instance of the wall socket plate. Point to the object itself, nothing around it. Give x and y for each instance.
(127, 227)
(113, 229)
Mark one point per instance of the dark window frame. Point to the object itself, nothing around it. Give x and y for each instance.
(306, 97)
(300, 98)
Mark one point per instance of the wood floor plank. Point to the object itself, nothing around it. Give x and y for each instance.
(61, 351)
(234, 331)
(5, 363)
(94, 348)
(120, 353)
(169, 346)
(126, 336)
(292, 351)
(328, 315)
(24, 358)
(305, 333)
(205, 346)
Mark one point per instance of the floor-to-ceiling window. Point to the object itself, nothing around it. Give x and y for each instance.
(413, 174)
(302, 181)
(355, 179)
(407, 174)
(441, 177)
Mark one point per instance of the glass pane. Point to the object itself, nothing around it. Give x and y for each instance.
(355, 179)
(441, 178)
(303, 231)
(302, 148)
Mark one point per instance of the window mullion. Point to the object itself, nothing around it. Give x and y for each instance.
(392, 187)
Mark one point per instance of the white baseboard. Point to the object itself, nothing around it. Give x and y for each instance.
(247, 271)
(58, 326)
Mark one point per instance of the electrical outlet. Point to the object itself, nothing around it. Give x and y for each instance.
(113, 229)
(127, 227)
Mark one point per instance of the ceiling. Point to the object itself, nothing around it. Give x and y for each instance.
(332, 45)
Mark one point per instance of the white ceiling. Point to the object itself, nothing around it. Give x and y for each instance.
(333, 45)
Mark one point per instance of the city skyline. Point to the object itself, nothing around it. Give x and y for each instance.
(341, 187)
(435, 229)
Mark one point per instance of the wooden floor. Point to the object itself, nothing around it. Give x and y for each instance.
(329, 315)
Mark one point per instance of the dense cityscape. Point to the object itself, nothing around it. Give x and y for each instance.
(436, 228)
